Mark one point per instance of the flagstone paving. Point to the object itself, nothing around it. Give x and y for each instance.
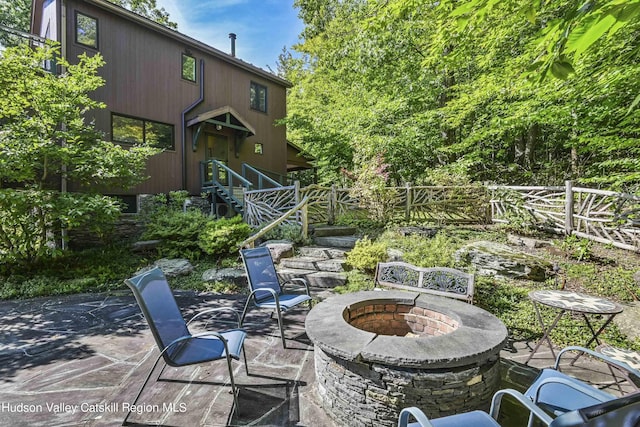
(79, 360)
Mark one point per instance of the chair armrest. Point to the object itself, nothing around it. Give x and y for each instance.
(606, 359)
(574, 384)
(295, 280)
(217, 309)
(521, 399)
(417, 414)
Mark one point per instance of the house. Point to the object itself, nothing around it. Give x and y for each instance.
(212, 113)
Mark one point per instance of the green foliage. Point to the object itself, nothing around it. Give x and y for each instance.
(424, 252)
(45, 135)
(356, 281)
(445, 96)
(289, 232)
(371, 191)
(613, 282)
(222, 238)
(148, 9)
(93, 270)
(361, 220)
(366, 255)
(14, 14)
(577, 248)
(178, 231)
(511, 304)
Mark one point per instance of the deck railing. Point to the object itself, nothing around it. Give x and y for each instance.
(603, 216)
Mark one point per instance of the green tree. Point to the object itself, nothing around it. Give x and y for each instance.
(16, 14)
(45, 137)
(148, 9)
(438, 91)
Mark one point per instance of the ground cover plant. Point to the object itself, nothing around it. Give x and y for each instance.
(605, 272)
(206, 241)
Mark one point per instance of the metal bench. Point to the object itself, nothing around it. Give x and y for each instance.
(443, 281)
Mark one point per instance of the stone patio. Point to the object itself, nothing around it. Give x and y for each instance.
(79, 360)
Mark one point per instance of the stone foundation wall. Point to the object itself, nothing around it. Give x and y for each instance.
(400, 320)
(358, 394)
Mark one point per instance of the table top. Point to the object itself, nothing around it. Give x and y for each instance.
(574, 301)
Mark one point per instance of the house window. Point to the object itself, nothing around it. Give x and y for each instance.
(128, 203)
(257, 148)
(188, 67)
(86, 30)
(132, 130)
(258, 97)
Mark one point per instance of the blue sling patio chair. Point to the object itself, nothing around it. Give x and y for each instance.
(621, 412)
(178, 347)
(266, 288)
(558, 393)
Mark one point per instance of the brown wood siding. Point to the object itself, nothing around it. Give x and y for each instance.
(143, 79)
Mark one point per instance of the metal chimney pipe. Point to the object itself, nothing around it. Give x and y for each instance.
(232, 36)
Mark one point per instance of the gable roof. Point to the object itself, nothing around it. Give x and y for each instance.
(224, 116)
(196, 44)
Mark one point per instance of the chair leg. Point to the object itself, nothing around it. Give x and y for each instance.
(244, 312)
(279, 313)
(244, 355)
(233, 384)
(153, 368)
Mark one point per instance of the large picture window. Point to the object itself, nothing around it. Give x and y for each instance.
(258, 97)
(188, 67)
(86, 30)
(132, 130)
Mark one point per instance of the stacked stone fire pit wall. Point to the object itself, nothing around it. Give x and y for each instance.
(379, 352)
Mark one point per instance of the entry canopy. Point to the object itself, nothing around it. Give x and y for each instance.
(224, 116)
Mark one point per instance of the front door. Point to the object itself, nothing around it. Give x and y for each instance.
(217, 149)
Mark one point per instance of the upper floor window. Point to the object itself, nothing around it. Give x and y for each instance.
(86, 30)
(188, 67)
(258, 97)
(132, 130)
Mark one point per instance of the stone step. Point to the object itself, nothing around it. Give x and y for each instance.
(316, 279)
(344, 242)
(312, 263)
(333, 230)
(321, 252)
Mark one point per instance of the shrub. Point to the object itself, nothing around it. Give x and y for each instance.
(356, 281)
(360, 220)
(290, 232)
(222, 238)
(178, 232)
(421, 251)
(367, 254)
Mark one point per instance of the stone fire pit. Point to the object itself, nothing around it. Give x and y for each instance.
(379, 352)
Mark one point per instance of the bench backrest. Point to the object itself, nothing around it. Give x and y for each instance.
(441, 281)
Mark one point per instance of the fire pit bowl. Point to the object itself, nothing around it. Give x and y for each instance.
(378, 352)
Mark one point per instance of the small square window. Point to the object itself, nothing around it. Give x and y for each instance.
(258, 97)
(86, 30)
(188, 67)
(257, 148)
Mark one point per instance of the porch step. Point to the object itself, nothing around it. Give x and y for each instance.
(343, 242)
(313, 263)
(316, 279)
(333, 230)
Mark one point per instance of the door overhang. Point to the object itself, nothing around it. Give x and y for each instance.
(224, 117)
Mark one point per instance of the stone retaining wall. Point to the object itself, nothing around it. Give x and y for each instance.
(360, 394)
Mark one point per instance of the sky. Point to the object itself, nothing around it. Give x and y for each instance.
(263, 27)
